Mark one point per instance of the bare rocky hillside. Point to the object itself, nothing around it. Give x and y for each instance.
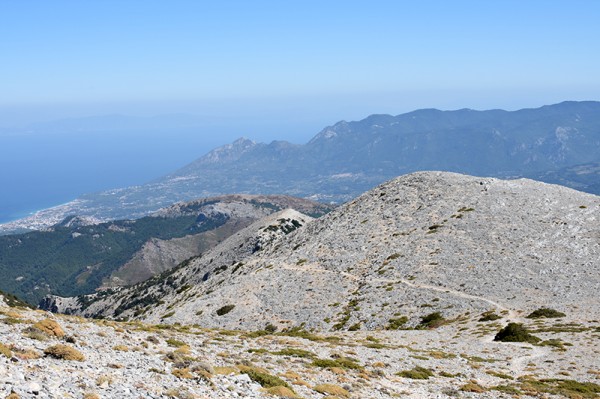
(424, 243)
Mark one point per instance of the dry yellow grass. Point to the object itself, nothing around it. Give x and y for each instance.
(182, 373)
(281, 392)
(472, 386)
(5, 350)
(337, 370)
(104, 380)
(64, 352)
(26, 354)
(50, 327)
(225, 370)
(331, 389)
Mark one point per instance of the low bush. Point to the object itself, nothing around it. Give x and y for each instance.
(545, 313)
(342, 362)
(395, 324)
(264, 379)
(489, 316)
(417, 373)
(175, 343)
(225, 309)
(432, 320)
(515, 332)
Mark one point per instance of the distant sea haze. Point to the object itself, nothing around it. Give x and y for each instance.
(38, 171)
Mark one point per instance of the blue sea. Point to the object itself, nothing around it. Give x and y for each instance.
(38, 171)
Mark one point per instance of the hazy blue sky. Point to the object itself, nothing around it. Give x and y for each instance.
(300, 61)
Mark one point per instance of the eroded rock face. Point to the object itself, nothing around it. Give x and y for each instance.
(419, 244)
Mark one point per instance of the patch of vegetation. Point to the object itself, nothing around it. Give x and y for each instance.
(14, 302)
(64, 352)
(354, 327)
(50, 327)
(477, 359)
(167, 315)
(281, 392)
(60, 258)
(472, 387)
(515, 332)
(225, 309)
(182, 373)
(433, 228)
(489, 316)
(499, 375)
(175, 343)
(545, 313)
(342, 362)
(257, 350)
(264, 379)
(396, 323)
(332, 390)
(294, 352)
(555, 343)
(5, 350)
(432, 320)
(448, 375)
(417, 373)
(441, 355)
(347, 313)
(569, 388)
(562, 328)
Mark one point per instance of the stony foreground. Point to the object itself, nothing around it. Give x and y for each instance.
(133, 360)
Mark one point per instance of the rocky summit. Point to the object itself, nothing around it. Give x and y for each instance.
(432, 285)
(422, 243)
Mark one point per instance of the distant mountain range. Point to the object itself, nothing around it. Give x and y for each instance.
(557, 143)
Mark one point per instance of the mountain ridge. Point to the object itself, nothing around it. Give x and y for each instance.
(348, 158)
(77, 257)
(419, 244)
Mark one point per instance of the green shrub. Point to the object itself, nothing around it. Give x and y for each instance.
(342, 362)
(432, 320)
(266, 380)
(175, 343)
(395, 324)
(225, 309)
(417, 373)
(489, 316)
(515, 332)
(545, 313)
